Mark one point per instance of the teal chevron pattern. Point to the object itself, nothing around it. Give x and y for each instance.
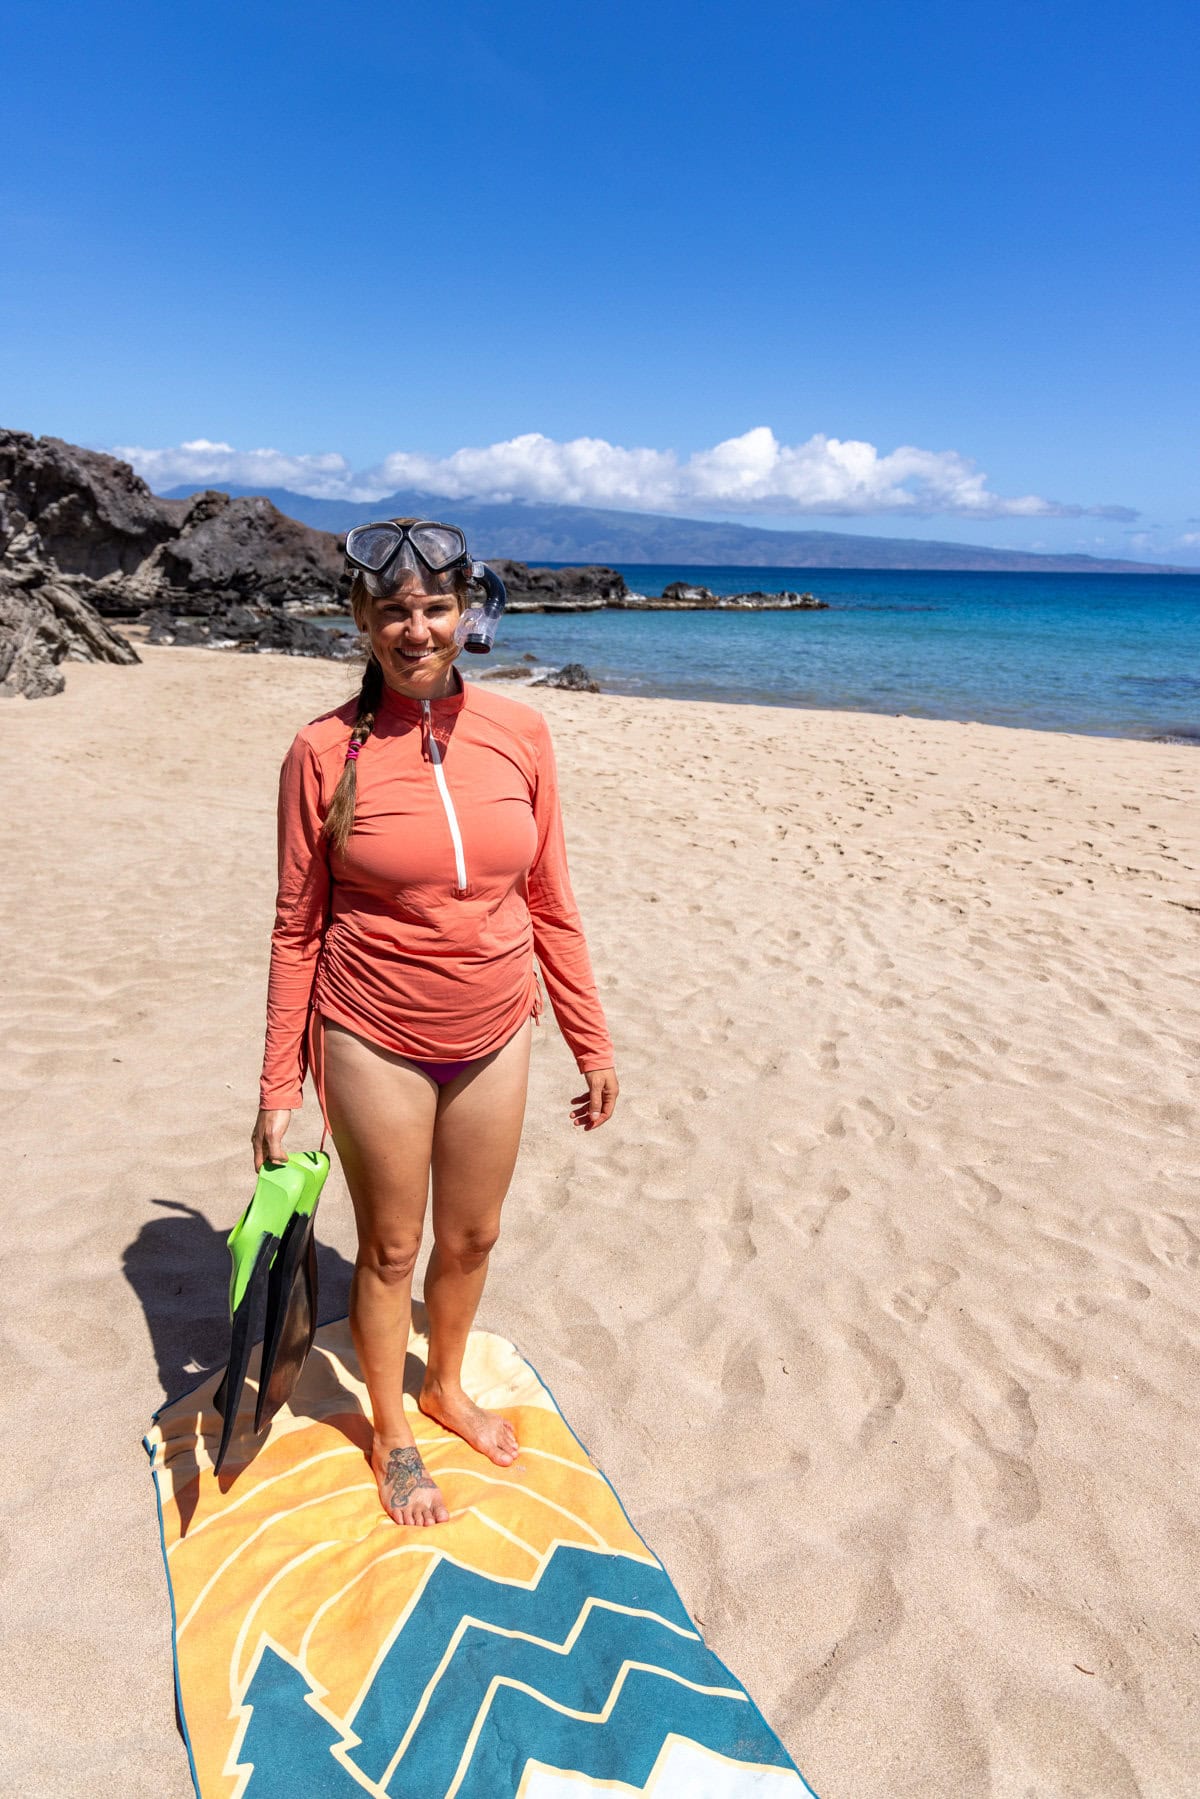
(591, 1670)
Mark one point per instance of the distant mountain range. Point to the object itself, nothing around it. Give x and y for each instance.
(534, 533)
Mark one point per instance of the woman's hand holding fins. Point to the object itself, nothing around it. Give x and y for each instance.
(267, 1137)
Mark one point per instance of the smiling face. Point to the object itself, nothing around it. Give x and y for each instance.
(412, 637)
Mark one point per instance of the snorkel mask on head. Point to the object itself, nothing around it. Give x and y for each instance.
(386, 552)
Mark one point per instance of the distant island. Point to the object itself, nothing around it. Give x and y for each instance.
(535, 533)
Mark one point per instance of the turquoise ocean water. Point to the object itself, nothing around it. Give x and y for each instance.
(1111, 655)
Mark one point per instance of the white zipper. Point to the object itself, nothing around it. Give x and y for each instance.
(439, 775)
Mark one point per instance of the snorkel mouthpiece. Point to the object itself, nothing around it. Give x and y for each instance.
(481, 621)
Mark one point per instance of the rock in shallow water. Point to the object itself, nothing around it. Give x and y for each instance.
(574, 676)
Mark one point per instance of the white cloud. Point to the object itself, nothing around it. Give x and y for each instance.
(219, 465)
(753, 473)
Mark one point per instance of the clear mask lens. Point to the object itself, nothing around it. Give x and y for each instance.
(439, 545)
(371, 545)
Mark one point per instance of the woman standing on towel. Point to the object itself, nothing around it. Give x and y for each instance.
(421, 868)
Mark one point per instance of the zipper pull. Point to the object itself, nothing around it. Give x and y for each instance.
(425, 729)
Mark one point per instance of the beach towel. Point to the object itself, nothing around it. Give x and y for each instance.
(532, 1648)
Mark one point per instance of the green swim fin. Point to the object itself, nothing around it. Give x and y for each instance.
(291, 1320)
(283, 1192)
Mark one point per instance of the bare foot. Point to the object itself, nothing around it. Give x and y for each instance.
(487, 1432)
(407, 1491)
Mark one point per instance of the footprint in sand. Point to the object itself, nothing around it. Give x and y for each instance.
(912, 1303)
(1076, 1305)
(995, 1482)
(879, 1124)
(814, 1216)
(885, 1386)
(1171, 1239)
(921, 1102)
(1037, 1354)
(981, 1194)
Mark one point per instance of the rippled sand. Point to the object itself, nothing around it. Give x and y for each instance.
(877, 1299)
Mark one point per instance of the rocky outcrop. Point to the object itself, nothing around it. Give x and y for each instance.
(88, 515)
(77, 511)
(44, 623)
(684, 597)
(774, 602)
(228, 550)
(574, 676)
(586, 589)
(594, 588)
(82, 539)
(239, 627)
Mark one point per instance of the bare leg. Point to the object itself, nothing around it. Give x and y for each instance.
(381, 1111)
(476, 1136)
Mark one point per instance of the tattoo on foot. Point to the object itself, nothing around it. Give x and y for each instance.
(404, 1474)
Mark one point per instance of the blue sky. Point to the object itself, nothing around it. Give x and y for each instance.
(921, 269)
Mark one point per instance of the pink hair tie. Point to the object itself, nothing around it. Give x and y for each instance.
(352, 752)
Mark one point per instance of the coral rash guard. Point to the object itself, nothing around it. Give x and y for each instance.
(421, 936)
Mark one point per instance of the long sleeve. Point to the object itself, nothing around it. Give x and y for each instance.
(301, 914)
(558, 939)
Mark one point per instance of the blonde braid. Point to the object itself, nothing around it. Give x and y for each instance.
(339, 820)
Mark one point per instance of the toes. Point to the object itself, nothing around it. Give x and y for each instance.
(421, 1512)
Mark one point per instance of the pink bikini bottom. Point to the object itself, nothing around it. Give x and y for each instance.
(441, 1072)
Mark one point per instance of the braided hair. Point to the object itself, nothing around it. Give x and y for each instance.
(339, 820)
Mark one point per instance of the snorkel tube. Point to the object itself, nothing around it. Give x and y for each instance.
(481, 621)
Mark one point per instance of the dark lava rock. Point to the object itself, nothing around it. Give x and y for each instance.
(559, 589)
(86, 514)
(83, 532)
(243, 548)
(77, 511)
(44, 623)
(775, 602)
(684, 593)
(246, 628)
(573, 676)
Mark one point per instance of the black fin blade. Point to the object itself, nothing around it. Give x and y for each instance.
(243, 1334)
(291, 1318)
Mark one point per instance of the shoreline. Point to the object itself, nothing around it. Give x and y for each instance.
(770, 703)
(137, 635)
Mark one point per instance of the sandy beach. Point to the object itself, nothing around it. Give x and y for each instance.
(877, 1300)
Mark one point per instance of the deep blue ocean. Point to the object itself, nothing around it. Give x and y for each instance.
(1113, 655)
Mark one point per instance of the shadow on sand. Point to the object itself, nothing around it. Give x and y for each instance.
(178, 1266)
